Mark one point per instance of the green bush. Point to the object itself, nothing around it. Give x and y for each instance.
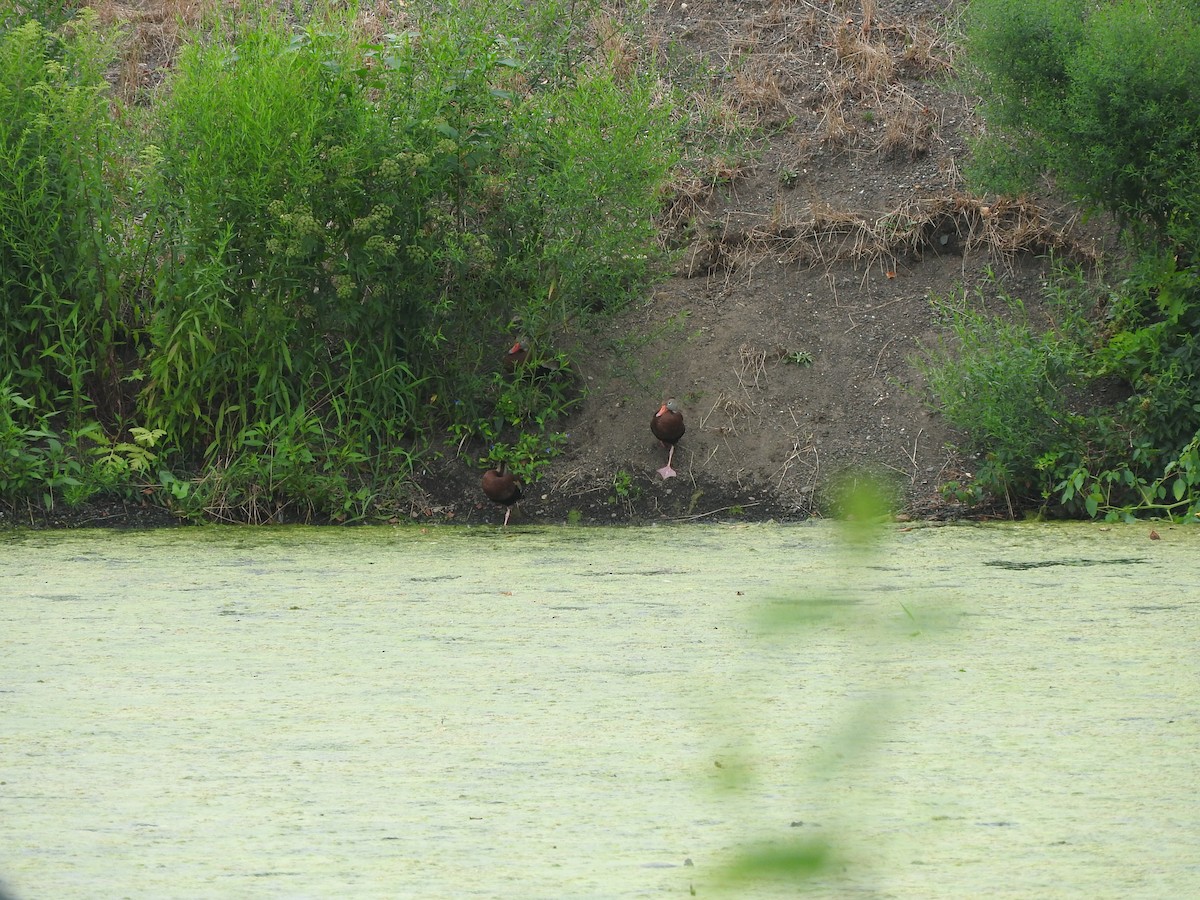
(1102, 97)
(1008, 385)
(295, 268)
(1023, 394)
(63, 331)
(349, 224)
(1100, 94)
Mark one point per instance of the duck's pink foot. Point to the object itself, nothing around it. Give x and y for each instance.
(666, 472)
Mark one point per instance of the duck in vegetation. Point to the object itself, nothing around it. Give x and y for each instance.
(517, 355)
(667, 426)
(502, 487)
(520, 360)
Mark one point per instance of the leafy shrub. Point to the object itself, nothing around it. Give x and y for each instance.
(350, 223)
(293, 238)
(1102, 96)
(62, 330)
(335, 232)
(1099, 94)
(1009, 386)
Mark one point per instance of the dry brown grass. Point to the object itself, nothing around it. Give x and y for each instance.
(614, 44)
(944, 224)
(757, 88)
(151, 35)
(927, 54)
(835, 128)
(910, 127)
(728, 412)
(871, 61)
(692, 188)
(752, 367)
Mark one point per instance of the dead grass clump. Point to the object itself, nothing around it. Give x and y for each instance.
(871, 61)
(946, 224)
(151, 35)
(966, 224)
(868, 63)
(756, 87)
(911, 127)
(1018, 226)
(835, 129)
(377, 19)
(614, 44)
(694, 185)
(729, 411)
(803, 453)
(752, 366)
(927, 54)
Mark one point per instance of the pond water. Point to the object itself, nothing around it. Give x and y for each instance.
(1001, 710)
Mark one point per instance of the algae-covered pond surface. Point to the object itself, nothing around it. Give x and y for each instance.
(966, 711)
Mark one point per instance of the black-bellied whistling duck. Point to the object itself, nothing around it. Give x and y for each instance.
(520, 359)
(502, 487)
(667, 426)
(517, 355)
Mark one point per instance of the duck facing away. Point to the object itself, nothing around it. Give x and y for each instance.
(502, 487)
(667, 426)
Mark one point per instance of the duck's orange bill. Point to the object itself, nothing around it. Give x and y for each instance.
(662, 409)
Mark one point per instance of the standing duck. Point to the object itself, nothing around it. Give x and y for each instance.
(667, 426)
(502, 487)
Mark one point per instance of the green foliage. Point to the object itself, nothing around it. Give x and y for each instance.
(36, 463)
(314, 239)
(293, 234)
(801, 358)
(1133, 109)
(50, 14)
(1007, 385)
(624, 490)
(1155, 324)
(1102, 96)
(28, 452)
(594, 191)
(521, 433)
(1019, 392)
(122, 458)
(40, 465)
(1121, 494)
(518, 413)
(285, 470)
(62, 328)
(1020, 51)
(528, 456)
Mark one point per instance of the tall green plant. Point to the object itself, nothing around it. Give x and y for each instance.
(62, 327)
(349, 224)
(298, 274)
(1100, 94)
(595, 192)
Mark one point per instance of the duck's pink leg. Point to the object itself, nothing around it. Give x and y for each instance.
(666, 471)
(507, 513)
